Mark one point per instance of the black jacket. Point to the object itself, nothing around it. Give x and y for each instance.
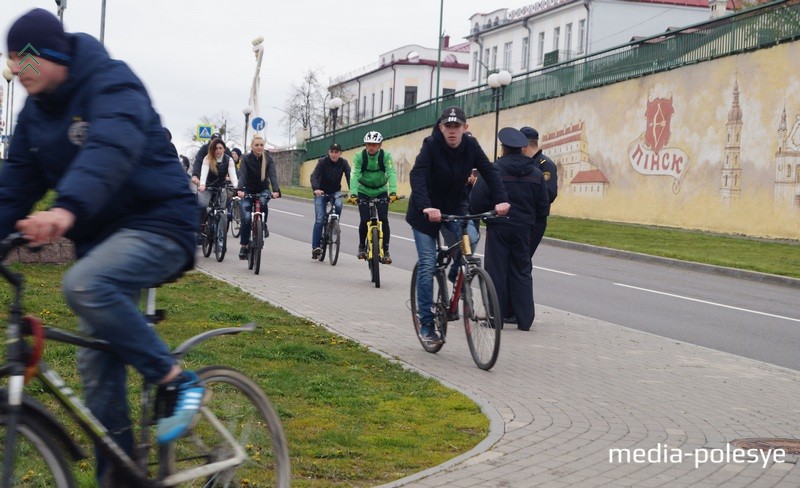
(439, 179)
(250, 174)
(327, 175)
(526, 190)
(550, 173)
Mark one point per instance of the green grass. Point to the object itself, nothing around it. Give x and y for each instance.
(780, 257)
(352, 418)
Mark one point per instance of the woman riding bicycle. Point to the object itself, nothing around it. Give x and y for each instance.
(258, 173)
(326, 179)
(373, 176)
(439, 185)
(89, 131)
(217, 168)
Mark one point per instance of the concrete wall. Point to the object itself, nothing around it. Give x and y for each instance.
(656, 150)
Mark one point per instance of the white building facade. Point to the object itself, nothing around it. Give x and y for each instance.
(550, 31)
(401, 78)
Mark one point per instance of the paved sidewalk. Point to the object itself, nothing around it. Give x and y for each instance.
(560, 397)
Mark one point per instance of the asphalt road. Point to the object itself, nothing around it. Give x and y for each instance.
(746, 318)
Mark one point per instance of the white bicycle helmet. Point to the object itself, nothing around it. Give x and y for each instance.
(373, 137)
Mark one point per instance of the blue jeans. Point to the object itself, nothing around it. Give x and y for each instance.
(426, 268)
(103, 290)
(320, 202)
(247, 216)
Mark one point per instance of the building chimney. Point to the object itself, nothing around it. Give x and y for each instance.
(445, 41)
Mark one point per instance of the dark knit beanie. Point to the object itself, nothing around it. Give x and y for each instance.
(45, 34)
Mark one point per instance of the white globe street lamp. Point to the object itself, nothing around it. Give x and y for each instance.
(498, 82)
(334, 104)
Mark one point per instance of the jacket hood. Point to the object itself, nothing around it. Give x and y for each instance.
(516, 164)
(88, 56)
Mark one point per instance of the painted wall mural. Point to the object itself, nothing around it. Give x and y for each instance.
(711, 146)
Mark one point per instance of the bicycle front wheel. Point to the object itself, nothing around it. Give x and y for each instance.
(375, 257)
(221, 237)
(439, 310)
(257, 244)
(242, 408)
(333, 242)
(38, 461)
(236, 218)
(482, 320)
(323, 243)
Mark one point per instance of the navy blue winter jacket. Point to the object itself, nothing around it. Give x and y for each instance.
(98, 141)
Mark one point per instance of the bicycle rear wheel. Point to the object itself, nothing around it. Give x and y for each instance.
(221, 237)
(257, 244)
(38, 461)
(439, 310)
(241, 406)
(482, 320)
(375, 257)
(236, 218)
(207, 236)
(333, 242)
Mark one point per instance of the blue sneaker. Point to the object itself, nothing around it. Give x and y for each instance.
(186, 394)
(427, 332)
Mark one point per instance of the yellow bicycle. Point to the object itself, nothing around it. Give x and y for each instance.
(375, 236)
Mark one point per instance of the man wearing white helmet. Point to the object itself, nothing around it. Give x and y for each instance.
(373, 176)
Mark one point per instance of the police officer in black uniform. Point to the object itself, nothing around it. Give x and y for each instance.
(549, 171)
(507, 252)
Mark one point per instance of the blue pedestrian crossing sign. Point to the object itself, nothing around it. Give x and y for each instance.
(204, 132)
(259, 123)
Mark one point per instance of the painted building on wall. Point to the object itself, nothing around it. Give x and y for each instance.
(787, 166)
(730, 181)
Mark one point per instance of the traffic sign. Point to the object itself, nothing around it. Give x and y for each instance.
(259, 123)
(204, 131)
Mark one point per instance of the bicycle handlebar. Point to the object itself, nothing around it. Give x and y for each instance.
(366, 200)
(11, 242)
(460, 218)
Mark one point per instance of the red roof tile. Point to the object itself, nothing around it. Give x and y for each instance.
(591, 176)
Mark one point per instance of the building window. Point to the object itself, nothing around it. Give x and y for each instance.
(540, 55)
(556, 38)
(507, 56)
(364, 107)
(568, 38)
(372, 108)
(581, 34)
(448, 93)
(381, 103)
(526, 53)
(475, 67)
(411, 96)
(486, 59)
(494, 58)
(391, 100)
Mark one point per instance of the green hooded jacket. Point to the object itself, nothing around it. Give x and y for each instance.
(369, 179)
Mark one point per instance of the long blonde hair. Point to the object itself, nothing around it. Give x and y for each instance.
(211, 157)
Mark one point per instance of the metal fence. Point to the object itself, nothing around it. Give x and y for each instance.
(756, 28)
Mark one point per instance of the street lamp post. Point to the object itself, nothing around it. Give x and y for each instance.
(498, 82)
(9, 76)
(246, 111)
(334, 104)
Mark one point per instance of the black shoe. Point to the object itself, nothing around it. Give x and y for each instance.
(510, 320)
(266, 230)
(362, 252)
(386, 258)
(243, 253)
(316, 253)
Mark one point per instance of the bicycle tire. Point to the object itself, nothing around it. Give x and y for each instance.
(440, 311)
(333, 242)
(221, 238)
(323, 243)
(236, 218)
(257, 245)
(208, 231)
(482, 318)
(39, 462)
(246, 412)
(375, 257)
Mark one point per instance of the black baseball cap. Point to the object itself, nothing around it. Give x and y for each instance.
(453, 114)
(335, 147)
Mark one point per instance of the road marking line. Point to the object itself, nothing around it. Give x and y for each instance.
(709, 303)
(287, 213)
(554, 271)
(393, 235)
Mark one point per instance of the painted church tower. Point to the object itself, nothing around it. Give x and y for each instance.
(731, 177)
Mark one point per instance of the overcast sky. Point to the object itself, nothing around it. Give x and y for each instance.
(196, 58)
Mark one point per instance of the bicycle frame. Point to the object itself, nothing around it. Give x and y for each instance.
(17, 360)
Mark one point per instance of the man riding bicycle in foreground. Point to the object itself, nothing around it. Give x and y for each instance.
(439, 185)
(88, 130)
